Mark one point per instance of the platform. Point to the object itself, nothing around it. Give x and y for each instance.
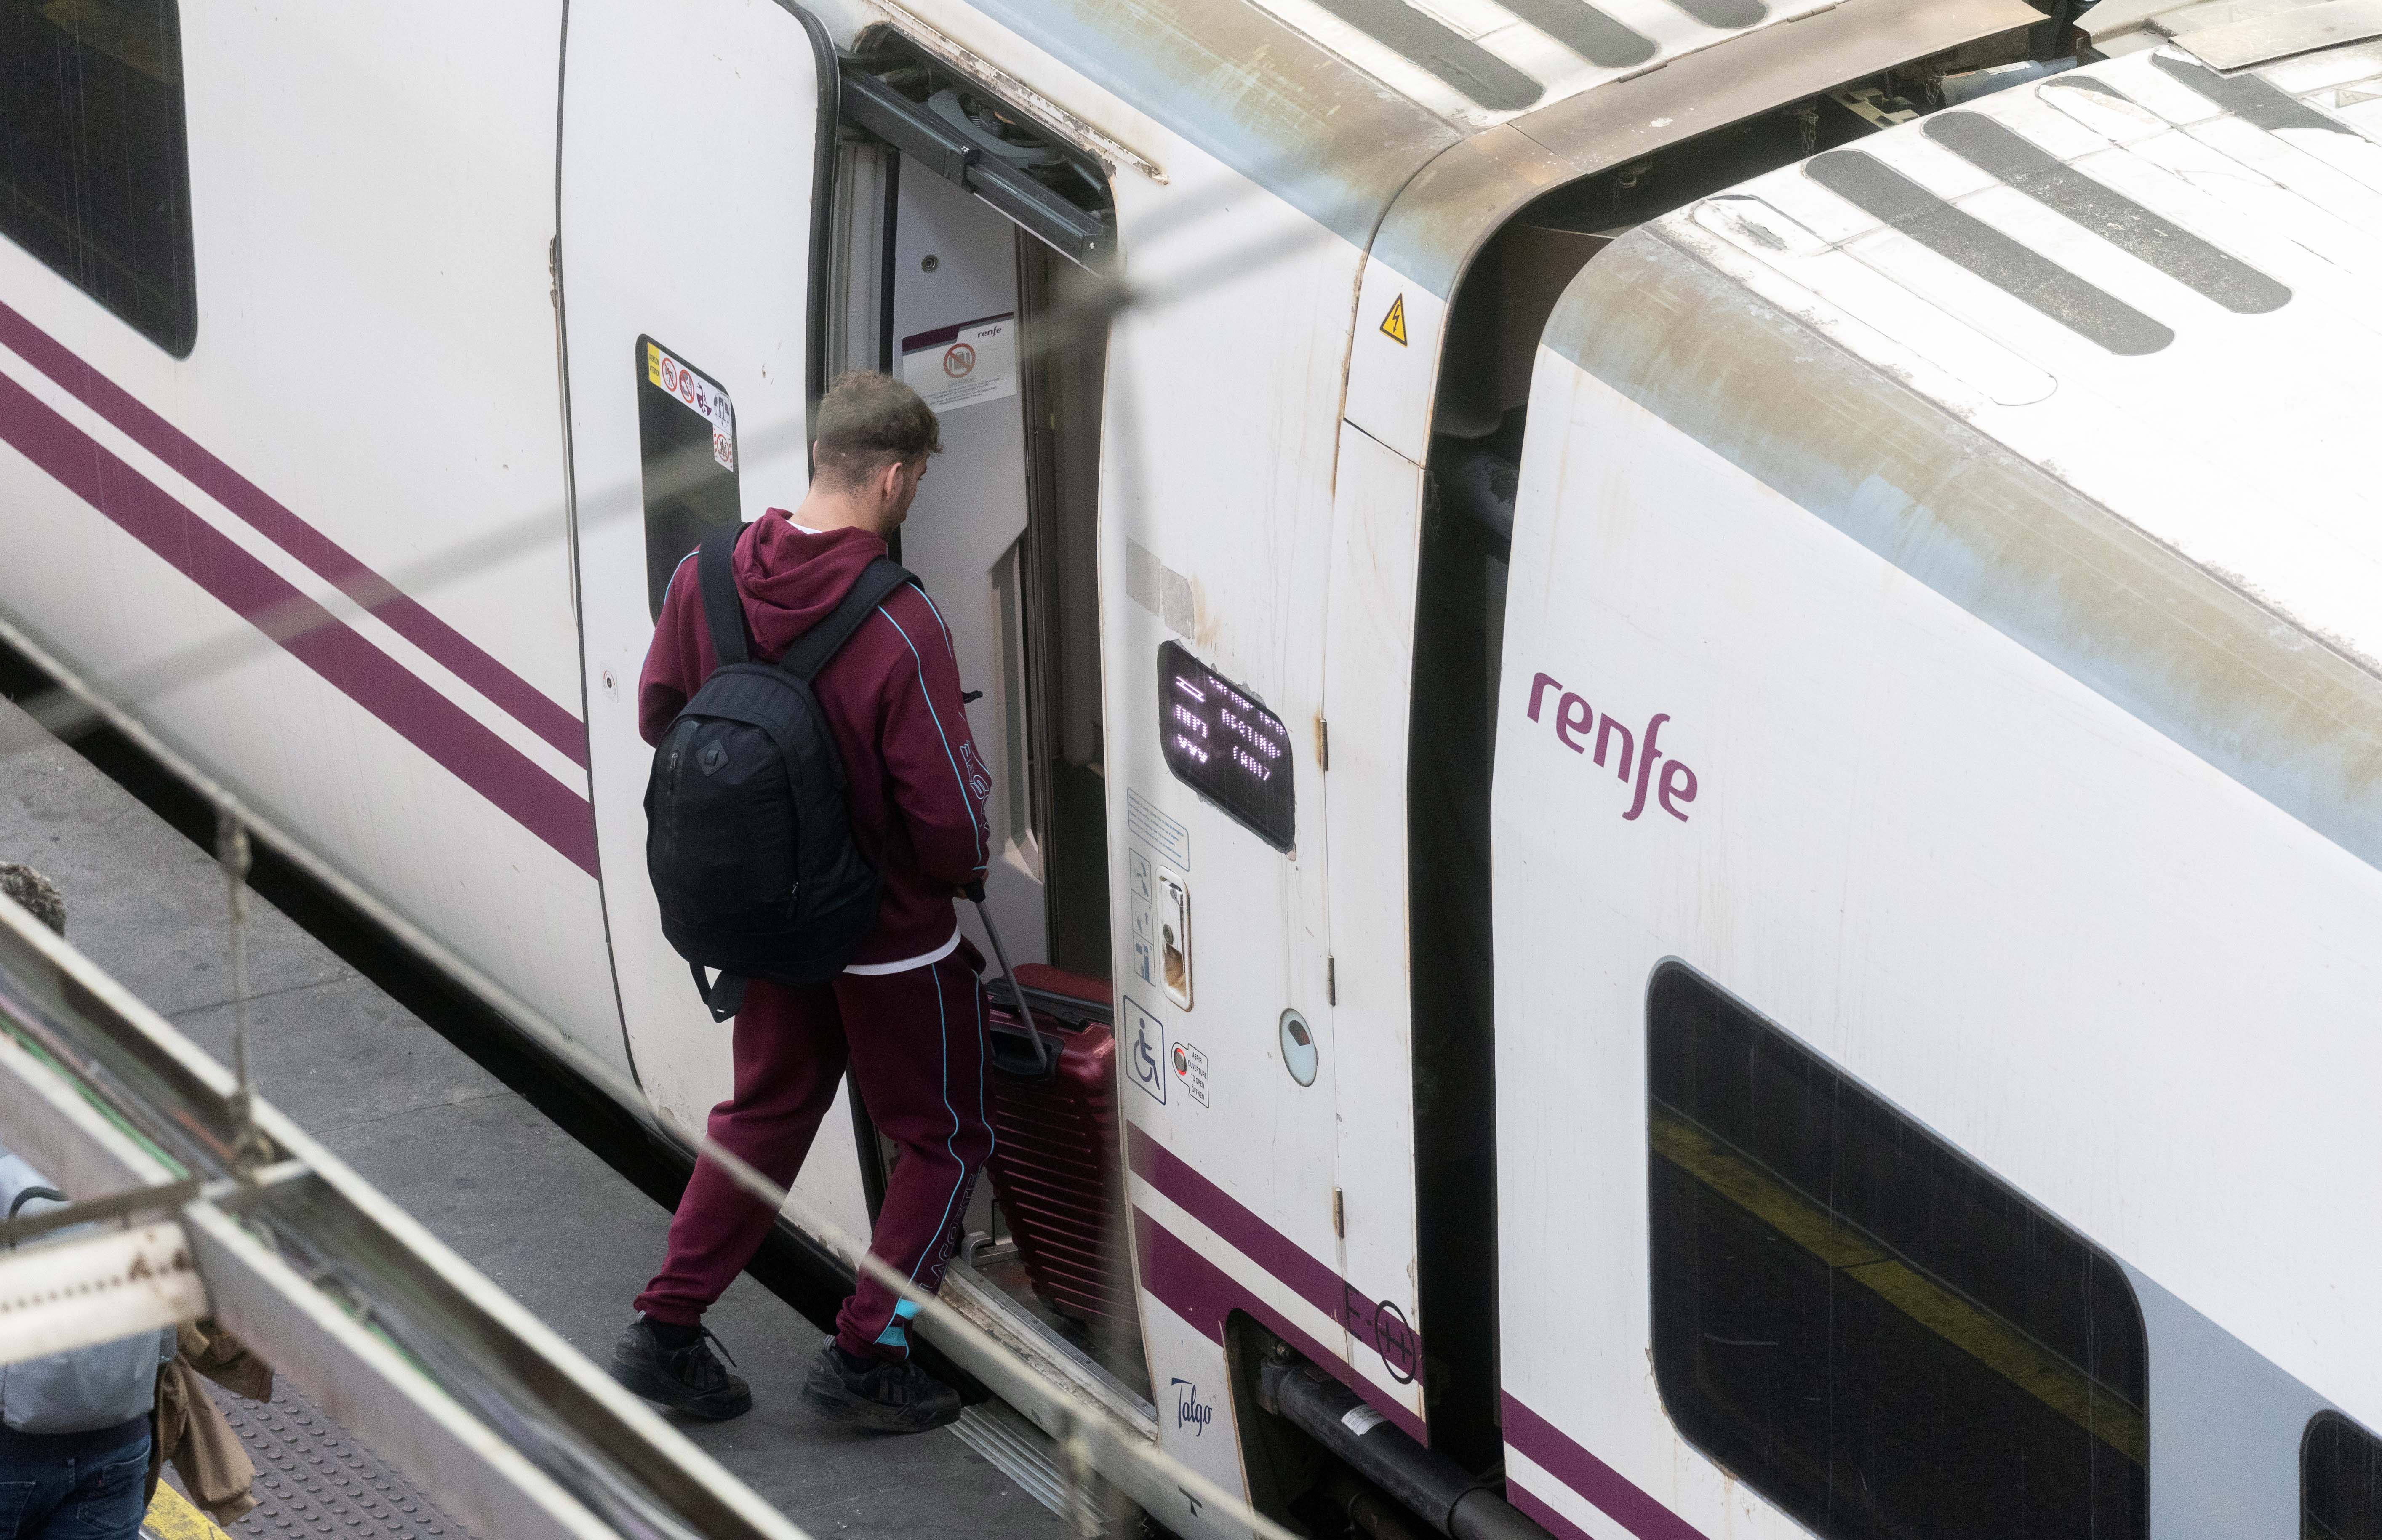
(544, 1216)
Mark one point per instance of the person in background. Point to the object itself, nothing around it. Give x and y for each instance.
(74, 1426)
(908, 1015)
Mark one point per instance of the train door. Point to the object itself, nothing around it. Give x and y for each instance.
(688, 189)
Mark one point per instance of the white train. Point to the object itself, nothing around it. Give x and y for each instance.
(1893, 1052)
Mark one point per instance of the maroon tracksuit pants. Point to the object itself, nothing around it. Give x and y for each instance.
(916, 1047)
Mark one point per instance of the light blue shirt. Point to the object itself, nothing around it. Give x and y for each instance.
(89, 1388)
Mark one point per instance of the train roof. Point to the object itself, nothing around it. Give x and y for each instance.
(1473, 64)
(2094, 356)
(1339, 106)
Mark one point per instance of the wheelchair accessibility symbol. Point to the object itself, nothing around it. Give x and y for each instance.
(1148, 1055)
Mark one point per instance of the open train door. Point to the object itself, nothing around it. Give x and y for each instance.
(689, 190)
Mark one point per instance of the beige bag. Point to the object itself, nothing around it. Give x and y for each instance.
(192, 1431)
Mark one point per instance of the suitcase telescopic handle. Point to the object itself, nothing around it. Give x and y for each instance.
(1042, 1060)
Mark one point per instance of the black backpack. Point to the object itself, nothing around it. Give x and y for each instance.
(746, 836)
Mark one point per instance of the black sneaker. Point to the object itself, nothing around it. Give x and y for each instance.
(685, 1379)
(878, 1395)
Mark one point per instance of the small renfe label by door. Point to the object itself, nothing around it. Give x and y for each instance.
(963, 365)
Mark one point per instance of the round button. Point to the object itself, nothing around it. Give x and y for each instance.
(1299, 1052)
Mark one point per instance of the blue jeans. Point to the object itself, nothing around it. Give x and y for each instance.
(74, 1492)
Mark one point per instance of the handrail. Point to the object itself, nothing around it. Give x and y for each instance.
(407, 1345)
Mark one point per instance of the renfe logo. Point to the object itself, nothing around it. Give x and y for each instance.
(1574, 714)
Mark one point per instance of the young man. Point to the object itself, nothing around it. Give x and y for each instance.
(908, 1015)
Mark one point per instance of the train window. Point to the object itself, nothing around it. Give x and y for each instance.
(1225, 746)
(686, 446)
(2340, 1481)
(1858, 1320)
(94, 175)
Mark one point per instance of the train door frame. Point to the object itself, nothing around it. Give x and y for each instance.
(1050, 702)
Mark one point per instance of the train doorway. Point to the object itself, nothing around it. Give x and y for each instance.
(968, 262)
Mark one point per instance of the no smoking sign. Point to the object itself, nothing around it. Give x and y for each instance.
(963, 365)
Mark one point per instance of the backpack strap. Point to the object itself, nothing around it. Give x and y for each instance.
(814, 647)
(715, 569)
(725, 997)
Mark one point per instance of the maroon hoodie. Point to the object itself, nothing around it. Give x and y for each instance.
(913, 780)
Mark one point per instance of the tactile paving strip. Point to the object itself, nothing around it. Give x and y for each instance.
(313, 1479)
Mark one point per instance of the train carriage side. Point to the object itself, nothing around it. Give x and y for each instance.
(1257, 608)
(1456, 284)
(283, 471)
(1139, 384)
(1225, 541)
(1936, 825)
(341, 410)
(1303, 1122)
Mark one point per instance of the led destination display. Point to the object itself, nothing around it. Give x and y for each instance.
(1225, 746)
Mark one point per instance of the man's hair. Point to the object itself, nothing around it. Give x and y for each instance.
(868, 421)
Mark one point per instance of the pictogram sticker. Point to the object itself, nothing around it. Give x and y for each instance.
(963, 365)
(1394, 325)
(703, 396)
(1148, 1055)
(1191, 1068)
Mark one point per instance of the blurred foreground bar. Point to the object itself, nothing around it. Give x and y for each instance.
(211, 1205)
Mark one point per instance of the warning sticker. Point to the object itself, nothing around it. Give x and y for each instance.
(1394, 325)
(700, 396)
(963, 365)
(1191, 1068)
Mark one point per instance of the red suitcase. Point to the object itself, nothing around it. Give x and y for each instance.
(1055, 1164)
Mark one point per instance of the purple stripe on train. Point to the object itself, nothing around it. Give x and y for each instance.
(1622, 1499)
(1379, 1324)
(514, 695)
(362, 672)
(1204, 1294)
